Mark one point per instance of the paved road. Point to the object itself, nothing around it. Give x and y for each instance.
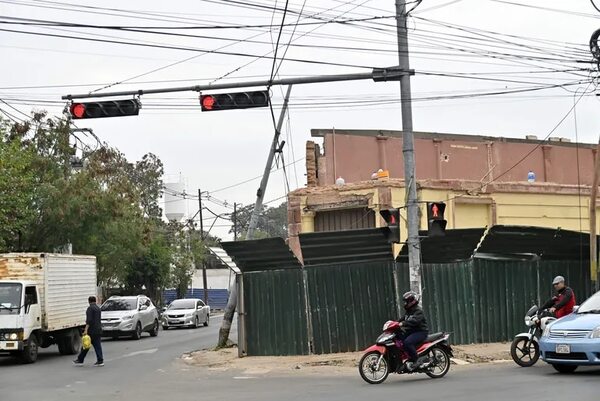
(128, 363)
(151, 370)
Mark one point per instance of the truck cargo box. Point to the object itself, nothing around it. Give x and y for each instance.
(64, 283)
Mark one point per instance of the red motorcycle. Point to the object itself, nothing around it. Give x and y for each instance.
(388, 355)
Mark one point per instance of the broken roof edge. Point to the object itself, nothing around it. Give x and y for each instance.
(321, 132)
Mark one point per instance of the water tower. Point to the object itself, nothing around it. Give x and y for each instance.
(175, 206)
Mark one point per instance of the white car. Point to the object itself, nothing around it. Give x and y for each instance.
(129, 316)
(189, 312)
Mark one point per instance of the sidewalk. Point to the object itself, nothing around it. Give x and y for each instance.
(227, 360)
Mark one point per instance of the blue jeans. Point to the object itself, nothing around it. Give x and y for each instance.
(410, 341)
(97, 348)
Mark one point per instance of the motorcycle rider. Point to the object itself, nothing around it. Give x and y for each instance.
(562, 303)
(414, 328)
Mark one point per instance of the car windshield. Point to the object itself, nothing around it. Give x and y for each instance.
(10, 298)
(183, 304)
(119, 305)
(592, 305)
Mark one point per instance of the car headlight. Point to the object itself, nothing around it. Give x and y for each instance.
(595, 333)
(546, 332)
(13, 336)
(128, 317)
(189, 314)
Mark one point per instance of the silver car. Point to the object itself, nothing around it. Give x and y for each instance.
(190, 312)
(129, 316)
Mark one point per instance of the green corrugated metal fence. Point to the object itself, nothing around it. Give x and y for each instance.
(275, 307)
(349, 303)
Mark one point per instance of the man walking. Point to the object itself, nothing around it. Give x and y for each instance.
(93, 328)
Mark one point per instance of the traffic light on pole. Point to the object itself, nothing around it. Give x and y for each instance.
(392, 218)
(111, 108)
(436, 225)
(232, 101)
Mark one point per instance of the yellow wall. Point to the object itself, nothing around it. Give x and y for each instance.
(528, 209)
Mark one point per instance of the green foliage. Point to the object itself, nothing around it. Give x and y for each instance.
(109, 209)
(272, 221)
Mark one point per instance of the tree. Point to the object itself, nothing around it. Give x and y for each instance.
(272, 221)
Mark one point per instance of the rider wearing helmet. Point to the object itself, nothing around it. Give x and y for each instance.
(562, 303)
(414, 327)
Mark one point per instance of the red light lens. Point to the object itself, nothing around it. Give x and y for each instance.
(207, 102)
(78, 110)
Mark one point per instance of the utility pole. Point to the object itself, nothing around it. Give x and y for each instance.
(204, 284)
(593, 236)
(414, 246)
(235, 221)
(260, 194)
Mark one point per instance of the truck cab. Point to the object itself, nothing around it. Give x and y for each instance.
(20, 315)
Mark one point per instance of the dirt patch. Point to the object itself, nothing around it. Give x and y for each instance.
(227, 360)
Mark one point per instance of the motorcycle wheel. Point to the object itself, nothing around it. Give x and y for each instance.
(440, 363)
(524, 357)
(366, 368)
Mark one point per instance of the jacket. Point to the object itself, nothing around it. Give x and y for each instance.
(414, 320)
(563, 301)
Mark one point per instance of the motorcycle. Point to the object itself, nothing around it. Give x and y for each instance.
(525, 350)
(388, 355)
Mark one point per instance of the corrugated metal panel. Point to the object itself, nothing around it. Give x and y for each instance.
(348, 219)
(70, 280)
(448, 298)
(275, 308)
(504, 291)
(548, 243)
(217, 298)
(455, 246)
(345, 246)
(262, 254)
(349, 303)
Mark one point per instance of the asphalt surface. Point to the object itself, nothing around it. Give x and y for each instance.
(151, 369)
(128, 363)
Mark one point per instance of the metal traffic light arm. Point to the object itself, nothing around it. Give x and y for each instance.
(377, 75)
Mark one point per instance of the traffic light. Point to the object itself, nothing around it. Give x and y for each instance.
(436, 225)
(392, 218)
(111, 108)
(231, 101)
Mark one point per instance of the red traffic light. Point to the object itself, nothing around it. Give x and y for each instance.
(207, 102)
(232, 101)
(78, 110)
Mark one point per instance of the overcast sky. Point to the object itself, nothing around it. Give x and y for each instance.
(460, 50)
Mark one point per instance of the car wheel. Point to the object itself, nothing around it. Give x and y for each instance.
(137, 334)
(196, 322)
(207, 319)
(154, 331)
(564, 368)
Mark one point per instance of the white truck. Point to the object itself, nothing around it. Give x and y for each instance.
(43, 299)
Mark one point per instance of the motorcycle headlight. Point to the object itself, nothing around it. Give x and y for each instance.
(528, 321)
(546, 332)
(595, 333)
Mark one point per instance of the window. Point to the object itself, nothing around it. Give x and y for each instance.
(200, 304)
(31, 296)
(119, 305)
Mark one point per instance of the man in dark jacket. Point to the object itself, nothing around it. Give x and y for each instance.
(562, 303)
(414, 328)
(93, 328)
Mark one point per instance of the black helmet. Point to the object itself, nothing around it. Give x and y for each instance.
(410, 299)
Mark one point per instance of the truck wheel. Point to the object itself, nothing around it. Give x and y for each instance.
(30, 353)
(70, 343)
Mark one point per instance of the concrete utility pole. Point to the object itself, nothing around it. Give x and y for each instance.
(414, 246)
(593, 237)
(260, 194)
(204, 280)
